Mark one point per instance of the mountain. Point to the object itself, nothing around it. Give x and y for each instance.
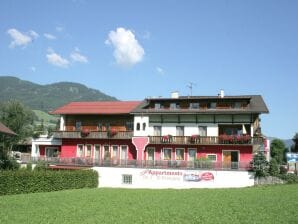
(47, 97)
(288, 142)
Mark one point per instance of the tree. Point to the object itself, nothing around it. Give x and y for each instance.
(260, 165)
(277, 150)
(295, 146)
(19, 119)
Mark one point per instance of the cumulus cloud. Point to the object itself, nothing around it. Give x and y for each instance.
(76, 56)
(56, 59)
(127, 50)
(49, 36)
(21, 39)
(160, 70)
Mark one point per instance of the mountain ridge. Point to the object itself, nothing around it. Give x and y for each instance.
(49, 96)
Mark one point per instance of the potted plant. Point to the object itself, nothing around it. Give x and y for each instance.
(85, 132)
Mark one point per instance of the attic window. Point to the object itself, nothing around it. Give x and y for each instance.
(237, 105)
(194, 105)
(212, 105)
(157, 106)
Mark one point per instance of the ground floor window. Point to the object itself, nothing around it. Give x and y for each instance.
(167, 154)
(212, 157)
(88, 151)
(126, 179)
(192, 154)
(124, 152)
(52, 152)
(106, 152)
(80, 150)
(114, 152)
(96, 151)
(179, 154)
(150, 153)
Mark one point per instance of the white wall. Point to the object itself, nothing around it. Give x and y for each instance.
(141, 120)
(43, 140)
(170, 178)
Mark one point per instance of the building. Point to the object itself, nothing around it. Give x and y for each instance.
(214, 132)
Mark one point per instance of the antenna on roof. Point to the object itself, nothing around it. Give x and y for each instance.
(190, 86)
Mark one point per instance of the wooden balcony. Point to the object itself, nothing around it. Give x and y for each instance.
(206, 140)
(94, 134)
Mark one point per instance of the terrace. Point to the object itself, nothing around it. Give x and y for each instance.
(94, 134)
(152, 164)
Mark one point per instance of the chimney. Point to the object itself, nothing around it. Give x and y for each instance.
(175, 95)
(222, 93)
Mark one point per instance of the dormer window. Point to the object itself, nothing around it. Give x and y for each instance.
(194, 105)
(157, 106)
(237, 105)
(212, 105)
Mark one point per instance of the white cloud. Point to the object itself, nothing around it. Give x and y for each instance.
(32, 68)
(128, 51)
(49, 36)
(76, 56)
(21, 39)
(160, 70)
(56, 59)
(59, 28)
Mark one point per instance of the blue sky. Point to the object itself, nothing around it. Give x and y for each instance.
(136, 49)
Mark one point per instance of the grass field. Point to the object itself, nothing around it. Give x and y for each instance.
(274, 204)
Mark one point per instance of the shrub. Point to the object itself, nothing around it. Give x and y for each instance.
(291, 178)
(273, 167)
(24, 181)
(260, 165)
(41, 165)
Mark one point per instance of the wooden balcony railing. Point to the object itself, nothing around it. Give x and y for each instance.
(158, 164)
(207, 140)
(94, 134)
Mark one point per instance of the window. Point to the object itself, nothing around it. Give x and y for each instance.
(194, 106)
(212, 105)
(114, 152)
(237, 105)
(192, 154)
(150, 153)
(212, 157)
(80, 150)
(179, 154)
(124, 154)
(203, 130)
(157, 106)
(144, 126)
(52, 152)
(78, 125)
(126, 179)
(157, 130)
(96, 151)
(129, 125)
(106, 152)
(138, 126)
(100, 126)
(88, 150)
(167, 154)
(179, 130)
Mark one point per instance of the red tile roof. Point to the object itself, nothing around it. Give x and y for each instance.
(99, 107)
(6, 130)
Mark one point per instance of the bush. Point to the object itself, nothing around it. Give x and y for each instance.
(273, 167)
(8, 163)
(24, 181)
(290, 178)
(260, 165)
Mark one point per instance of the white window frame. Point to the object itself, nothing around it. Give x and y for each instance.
(212, 154)
(147, 154)
(50, 148)
(112, 152)
(94, 150)
(183, 130)
(103, 152)
(126, 152)
(86, 150)
(82, 154)
(163, 154)
(196, 151)
(183, 154)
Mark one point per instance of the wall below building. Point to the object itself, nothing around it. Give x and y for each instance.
(172, 178)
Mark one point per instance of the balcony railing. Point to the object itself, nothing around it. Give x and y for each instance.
(207, 140)
(157, 164)
(94, 134)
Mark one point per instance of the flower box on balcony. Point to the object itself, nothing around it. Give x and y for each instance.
(85, 133)
(167, 139)
(111, 133)
(195, 139)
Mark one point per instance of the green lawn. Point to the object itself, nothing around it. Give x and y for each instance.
(274, 204)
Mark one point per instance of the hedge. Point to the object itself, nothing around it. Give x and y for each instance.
(24, 181)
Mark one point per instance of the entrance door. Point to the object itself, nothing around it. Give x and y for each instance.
(230, 159)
